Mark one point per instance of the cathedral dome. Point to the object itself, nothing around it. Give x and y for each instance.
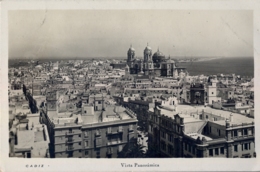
(158, 57)
(131, 50)
(148, 50)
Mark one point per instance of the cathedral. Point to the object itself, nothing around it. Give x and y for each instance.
(153, 64)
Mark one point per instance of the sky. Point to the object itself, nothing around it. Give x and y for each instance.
(70, 34)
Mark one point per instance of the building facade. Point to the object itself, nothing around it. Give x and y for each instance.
(200, 134)
(92, 132)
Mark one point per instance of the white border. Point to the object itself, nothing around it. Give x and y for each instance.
(172, 164)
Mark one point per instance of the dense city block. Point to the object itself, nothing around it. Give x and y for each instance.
(146, 107)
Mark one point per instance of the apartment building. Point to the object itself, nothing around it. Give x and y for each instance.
(189, 131)
(93, 131)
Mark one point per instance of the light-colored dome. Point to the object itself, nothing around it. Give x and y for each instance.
(131, 49)
(148, 50)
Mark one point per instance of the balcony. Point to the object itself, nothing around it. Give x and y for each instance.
(114, 132)
(73, 133)
(70, 140)
(114, 142)
(71, 148)
(97, 134)
(130, 129)
(120, 130)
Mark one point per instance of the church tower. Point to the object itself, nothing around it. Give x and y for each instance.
(148, 62)
(212, 91)
(130, 55)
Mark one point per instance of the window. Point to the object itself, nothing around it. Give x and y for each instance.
(70, 130)
(222, 150)
(97, 132)
(131, 127)
(210, 152)
(249, 132)
(245, 132)
(163, 134)
(120, 128)
(86, 133)
(218, 132)
(235, 148)
(79, 143)
(212, 92)
(120, 148)
(242, 147)
(186, 146)
(79, 135)
(235, 133)
(86, 144)
(170, 138)
(247, 146)
(109, 130)
(216, 151)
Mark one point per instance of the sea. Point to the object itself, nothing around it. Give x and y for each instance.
(243, 66)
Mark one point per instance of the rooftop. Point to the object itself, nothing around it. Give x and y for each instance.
(186, 112)
(196, 135)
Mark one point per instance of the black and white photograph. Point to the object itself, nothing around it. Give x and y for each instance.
(130, 83)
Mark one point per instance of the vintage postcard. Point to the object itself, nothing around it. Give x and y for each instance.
(129, 86)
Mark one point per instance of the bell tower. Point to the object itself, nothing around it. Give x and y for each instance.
(147, 53)
(148, 62)
(130, 55)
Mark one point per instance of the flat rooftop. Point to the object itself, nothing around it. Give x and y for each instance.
(196, 135)
(113, 113)
(185, 111)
